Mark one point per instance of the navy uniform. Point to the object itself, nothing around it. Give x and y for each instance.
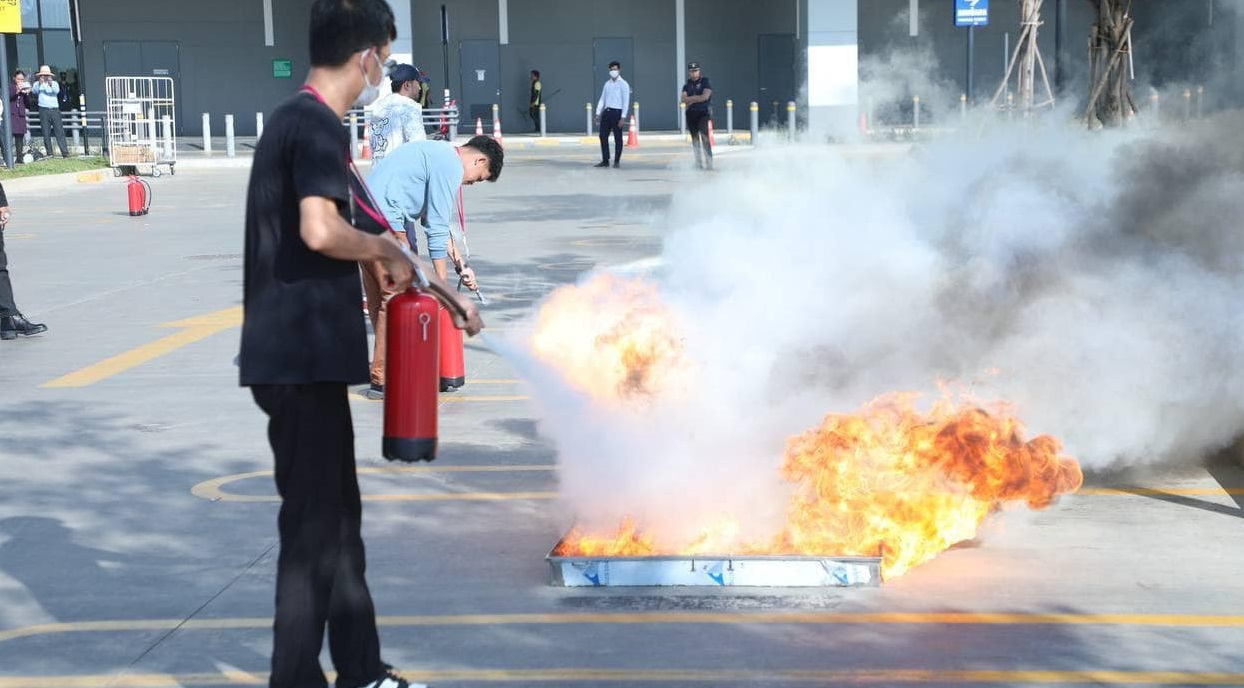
(697, 93)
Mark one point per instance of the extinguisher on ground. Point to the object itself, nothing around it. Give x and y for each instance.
(139, 192)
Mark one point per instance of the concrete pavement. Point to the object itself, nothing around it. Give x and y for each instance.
(137, 522)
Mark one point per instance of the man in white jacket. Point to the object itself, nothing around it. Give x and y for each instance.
(398, 117)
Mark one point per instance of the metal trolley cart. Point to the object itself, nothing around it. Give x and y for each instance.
(142, 124)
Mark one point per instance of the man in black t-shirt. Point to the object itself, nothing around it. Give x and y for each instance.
(697, 94)
(303, 341)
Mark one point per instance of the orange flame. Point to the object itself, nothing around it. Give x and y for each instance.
(889, 481)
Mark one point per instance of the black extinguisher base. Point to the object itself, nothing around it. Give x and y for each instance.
(452, 383)
(409, 450)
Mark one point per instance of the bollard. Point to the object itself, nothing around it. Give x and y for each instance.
(963, 106)
(544, 124)
(1200, 102)
(1187, 104)
(635, 111)
(729, 117)
(754, 126)
(231, 149)
(682, 118)
(1010, 105)
(453, 121)
(354, 134)
(207, 133)
(258, 126)
(915, 112)
(77, 143)
(170, 137)
(1155, 103)
(86, 130)
(588, 108)
(496, 115)
(790, 120)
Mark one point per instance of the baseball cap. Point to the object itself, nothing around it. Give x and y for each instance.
(403, 73)
(693, 65)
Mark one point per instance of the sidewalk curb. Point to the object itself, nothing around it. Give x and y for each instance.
(60, 181)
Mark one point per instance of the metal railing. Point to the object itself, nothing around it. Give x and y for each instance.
(80, 126)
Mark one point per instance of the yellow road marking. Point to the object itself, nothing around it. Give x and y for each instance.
(649, 676)
(193, 330)
(212, 489)
(473, 398)
(670, 618)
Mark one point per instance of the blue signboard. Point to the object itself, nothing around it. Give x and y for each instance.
(971, 12)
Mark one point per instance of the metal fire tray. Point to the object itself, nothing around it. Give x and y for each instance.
(719, 570)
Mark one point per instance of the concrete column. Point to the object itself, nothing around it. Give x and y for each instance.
(680, 44)
(833, 67)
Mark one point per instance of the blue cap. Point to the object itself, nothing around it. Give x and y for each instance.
(403, 73)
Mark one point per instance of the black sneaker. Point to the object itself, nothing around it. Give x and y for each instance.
(13, 326)
(375, 392)
(602, 163)
(617, 164)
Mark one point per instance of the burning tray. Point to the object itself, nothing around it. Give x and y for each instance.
(722, 570)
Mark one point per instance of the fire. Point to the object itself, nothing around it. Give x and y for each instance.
(890, 480)
(611, 337)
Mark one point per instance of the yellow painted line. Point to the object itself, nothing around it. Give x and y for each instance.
(213, 490)
(669, 618)
(650, 676)
(192, 330)
(19, 236)
(1160, 491)
(478, 398)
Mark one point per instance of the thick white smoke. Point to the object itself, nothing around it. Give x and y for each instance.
(1095, 281)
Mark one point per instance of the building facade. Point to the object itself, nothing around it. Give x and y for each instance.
(833, 57)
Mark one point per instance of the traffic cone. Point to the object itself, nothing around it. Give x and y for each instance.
(496, 131)
(712, 140)
(479, 126)
(632, 137)
(863, 124)
(366, 153)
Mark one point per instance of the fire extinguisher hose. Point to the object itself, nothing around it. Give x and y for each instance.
(442, 294)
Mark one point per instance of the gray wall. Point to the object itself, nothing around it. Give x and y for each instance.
(722, 35)
(225, 67)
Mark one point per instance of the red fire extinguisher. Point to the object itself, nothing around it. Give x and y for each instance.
(411, 375)
(452, 358)
(140, 196)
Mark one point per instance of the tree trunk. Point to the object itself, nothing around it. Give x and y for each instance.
(1110, 60)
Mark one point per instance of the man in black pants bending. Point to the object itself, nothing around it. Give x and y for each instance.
(697, 95)
(615, 101)
(303, 342)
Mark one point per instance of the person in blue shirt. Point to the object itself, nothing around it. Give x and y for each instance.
(48, 91)
(697, 95)
(418, 183)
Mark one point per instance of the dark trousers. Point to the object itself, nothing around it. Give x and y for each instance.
(611, 122)
(7, 307)
(535, 116)
(320, 572)
(697, 126)
(50, 122)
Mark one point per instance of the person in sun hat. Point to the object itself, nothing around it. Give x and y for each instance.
(48, 92)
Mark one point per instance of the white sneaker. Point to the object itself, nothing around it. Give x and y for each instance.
(392, 680)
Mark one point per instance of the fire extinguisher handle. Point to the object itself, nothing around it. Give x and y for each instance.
(441, 293)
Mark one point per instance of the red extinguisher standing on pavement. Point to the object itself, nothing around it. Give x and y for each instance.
(140, 196)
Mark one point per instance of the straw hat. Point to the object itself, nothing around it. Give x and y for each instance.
(44, 71)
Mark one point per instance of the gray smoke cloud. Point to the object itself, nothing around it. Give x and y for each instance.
(1093, 281)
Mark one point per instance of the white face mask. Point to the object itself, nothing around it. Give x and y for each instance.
(613, 73)
(371, 91)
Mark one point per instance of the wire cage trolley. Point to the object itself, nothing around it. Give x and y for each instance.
(142, 124)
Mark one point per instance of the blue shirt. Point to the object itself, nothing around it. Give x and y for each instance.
(419, 181)
(47, 93)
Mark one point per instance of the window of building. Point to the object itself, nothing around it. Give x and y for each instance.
(54, 14)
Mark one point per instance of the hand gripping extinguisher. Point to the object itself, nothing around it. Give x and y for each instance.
(140, 196)
(413, 370)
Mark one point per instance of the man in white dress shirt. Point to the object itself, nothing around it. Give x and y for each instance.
(615, 99)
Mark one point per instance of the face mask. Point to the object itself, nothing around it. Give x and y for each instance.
(371, 91)
(613, 73)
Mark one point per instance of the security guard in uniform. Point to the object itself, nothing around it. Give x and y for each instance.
(697, 95)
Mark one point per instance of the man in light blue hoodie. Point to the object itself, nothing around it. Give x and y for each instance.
(418, 183)
(48, 91)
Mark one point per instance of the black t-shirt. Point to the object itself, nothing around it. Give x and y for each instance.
(697, 88)
(302, 320)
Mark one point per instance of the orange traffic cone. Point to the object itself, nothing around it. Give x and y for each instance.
(496, 131)
(632, 137)
(366, 154)
(479, 126)
(712, 140)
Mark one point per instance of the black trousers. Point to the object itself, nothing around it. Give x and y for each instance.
(611, 122)
(697, 126)
(50, 122)
(320, 573)
(7, 307)
(535, 116)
